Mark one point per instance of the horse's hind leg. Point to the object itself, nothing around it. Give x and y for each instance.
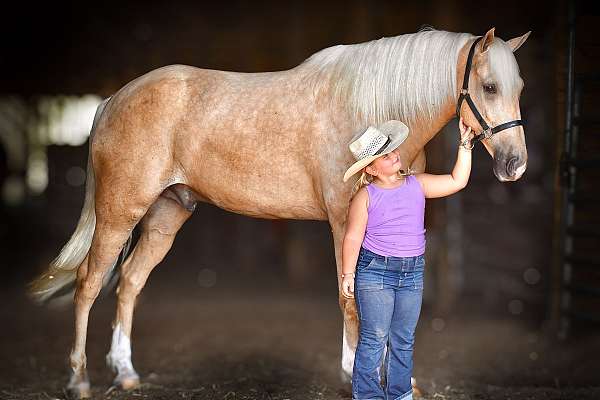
(159, 226)
(112, 231)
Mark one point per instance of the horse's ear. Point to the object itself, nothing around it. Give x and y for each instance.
(518, 41)
(486, 41)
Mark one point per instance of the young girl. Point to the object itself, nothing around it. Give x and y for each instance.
(385, 241)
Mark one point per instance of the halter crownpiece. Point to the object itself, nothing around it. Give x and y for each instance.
(464, 95)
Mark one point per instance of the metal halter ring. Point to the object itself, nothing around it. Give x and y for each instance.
(487, 133)
(467, 144)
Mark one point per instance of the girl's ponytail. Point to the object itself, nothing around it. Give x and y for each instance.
(364, 180)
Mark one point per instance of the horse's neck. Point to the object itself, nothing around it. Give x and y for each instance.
(422, 131)
(428, 129)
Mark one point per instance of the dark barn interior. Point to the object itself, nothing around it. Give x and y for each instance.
(245, 308)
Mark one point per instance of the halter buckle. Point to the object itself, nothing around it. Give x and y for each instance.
(487, 133)
(464, 91)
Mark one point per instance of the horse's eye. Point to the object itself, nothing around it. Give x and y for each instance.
(490, 88)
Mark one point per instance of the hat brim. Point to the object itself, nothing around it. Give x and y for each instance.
(396, 140)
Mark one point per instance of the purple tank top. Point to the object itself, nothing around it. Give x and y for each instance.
(396, 220)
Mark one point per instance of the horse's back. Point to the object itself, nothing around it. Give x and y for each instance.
(191, 124)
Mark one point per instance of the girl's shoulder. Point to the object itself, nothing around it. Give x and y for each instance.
(363, 195)
(417, 178)
(359, 203)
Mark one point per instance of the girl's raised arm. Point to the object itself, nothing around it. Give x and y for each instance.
(447, 184)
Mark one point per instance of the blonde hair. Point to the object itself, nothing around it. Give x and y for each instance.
(376, 87)
(366, 178)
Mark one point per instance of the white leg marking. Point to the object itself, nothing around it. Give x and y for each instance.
(347, 359)
(119, 356)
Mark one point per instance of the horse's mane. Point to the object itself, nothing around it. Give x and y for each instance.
(403, 77)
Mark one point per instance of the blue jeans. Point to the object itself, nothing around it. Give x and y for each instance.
(388, 293)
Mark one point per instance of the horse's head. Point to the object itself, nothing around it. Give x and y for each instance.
(494, 86)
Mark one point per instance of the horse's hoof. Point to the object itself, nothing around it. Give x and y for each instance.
(416, 391)
(128, 382)
(79, 391)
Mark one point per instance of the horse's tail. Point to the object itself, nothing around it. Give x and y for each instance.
(58, 281)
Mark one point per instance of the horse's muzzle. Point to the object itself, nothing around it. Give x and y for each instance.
(509, 168)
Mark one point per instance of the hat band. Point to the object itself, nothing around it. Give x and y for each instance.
(388, 141)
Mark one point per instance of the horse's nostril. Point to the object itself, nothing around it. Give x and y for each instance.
(511, 166)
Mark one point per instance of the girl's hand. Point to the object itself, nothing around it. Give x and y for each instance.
(348, 286)
(465, 132)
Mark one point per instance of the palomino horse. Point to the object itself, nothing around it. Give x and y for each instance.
(162, 142)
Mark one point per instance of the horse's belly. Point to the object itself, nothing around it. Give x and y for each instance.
(265, 201)
(255, 187)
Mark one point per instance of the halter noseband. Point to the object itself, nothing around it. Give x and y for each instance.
(464, 95)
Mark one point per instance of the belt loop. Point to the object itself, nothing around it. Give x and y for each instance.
(386, 259)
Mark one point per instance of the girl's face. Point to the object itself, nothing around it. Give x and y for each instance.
(388, 164)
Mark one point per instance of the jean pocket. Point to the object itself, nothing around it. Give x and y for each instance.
(417, 278)
(365, 263)
(420, 263)
(369, 280)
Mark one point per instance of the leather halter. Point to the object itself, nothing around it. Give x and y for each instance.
(464, 95)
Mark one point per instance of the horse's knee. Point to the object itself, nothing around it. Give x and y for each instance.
(130, 286)
(348, 306)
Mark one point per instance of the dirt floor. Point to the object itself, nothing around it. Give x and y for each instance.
(269, 341)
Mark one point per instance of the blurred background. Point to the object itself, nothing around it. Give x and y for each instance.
(249, 306)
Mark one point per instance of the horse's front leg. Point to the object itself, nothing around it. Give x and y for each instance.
(348, 307)
(349, 337)
(159, 226)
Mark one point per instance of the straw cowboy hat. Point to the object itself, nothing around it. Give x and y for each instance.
(374, 142)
